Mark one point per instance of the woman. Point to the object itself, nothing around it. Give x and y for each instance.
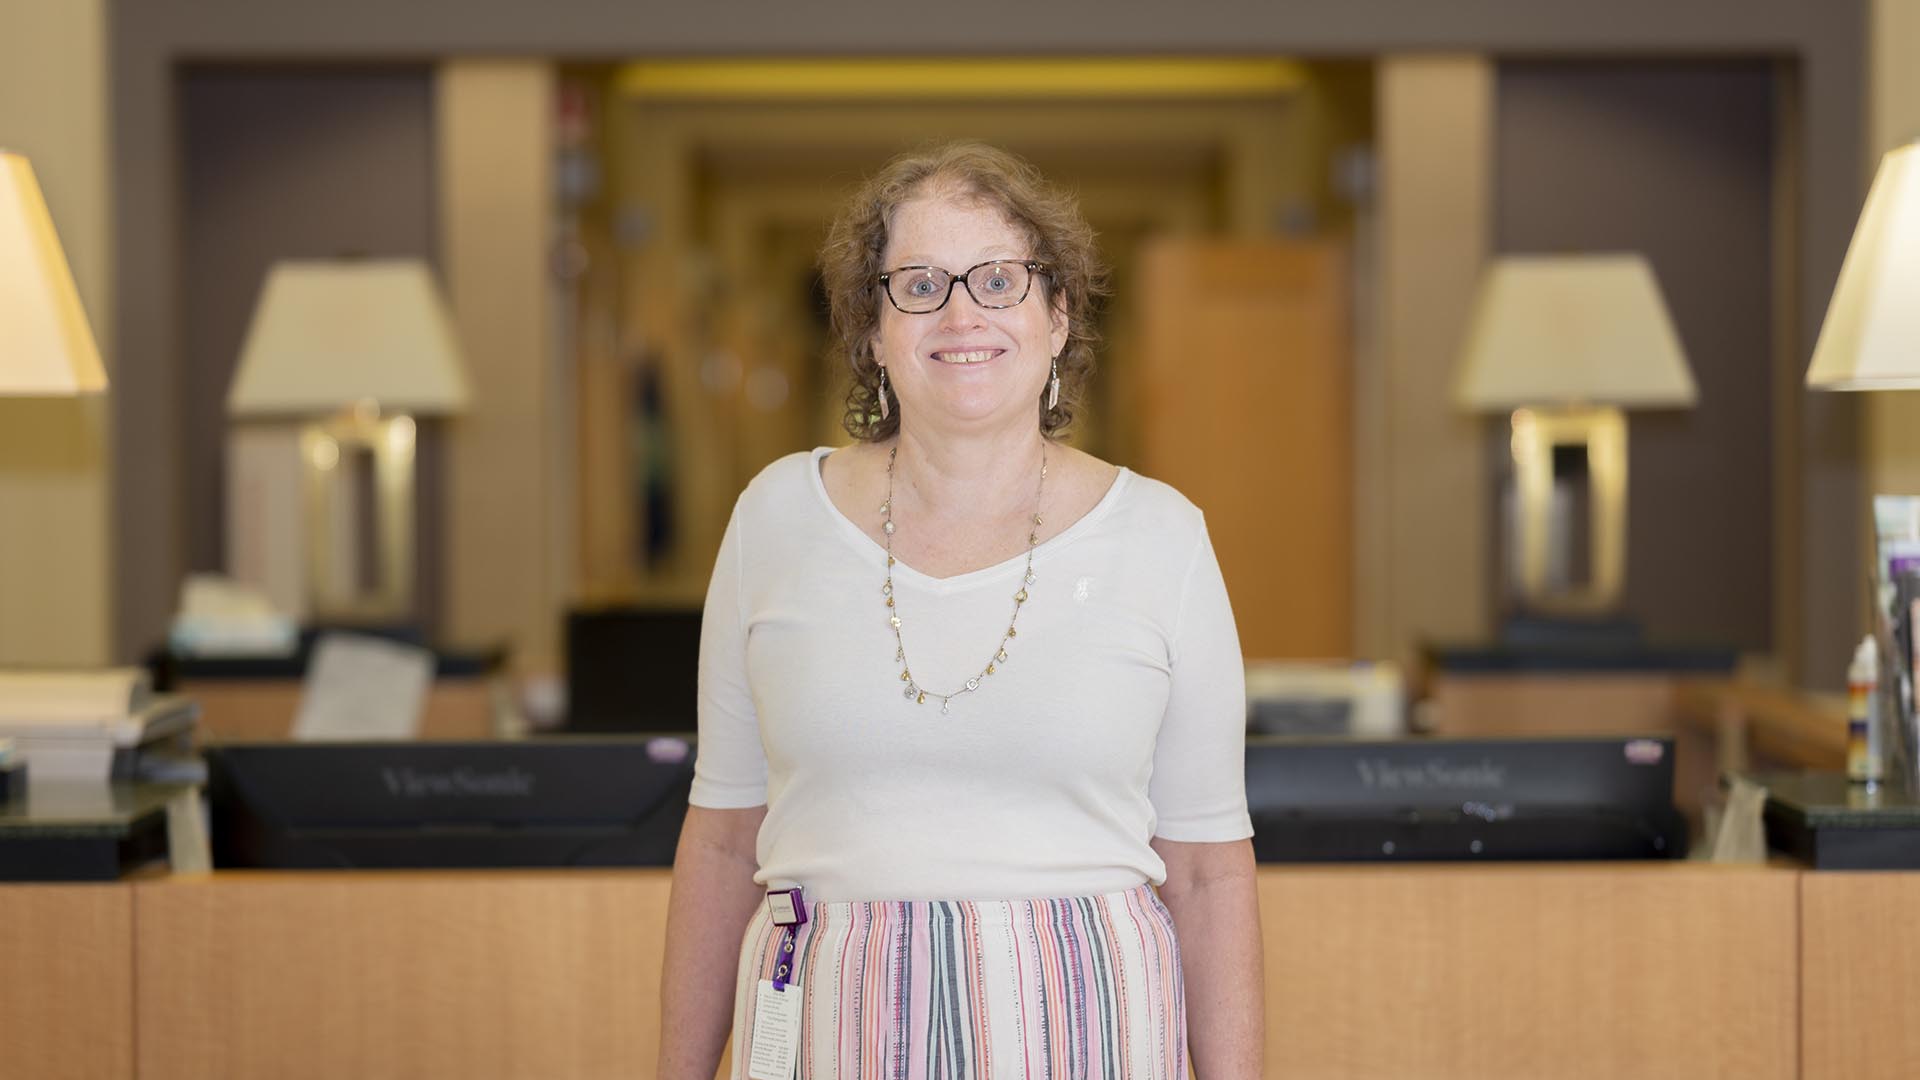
(971, 691)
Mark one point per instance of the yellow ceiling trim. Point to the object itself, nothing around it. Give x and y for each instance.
(996, 79)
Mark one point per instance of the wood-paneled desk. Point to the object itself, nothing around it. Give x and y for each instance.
(66, 981)
(255, 699)
(1757, 725)
(264, 709)
(1859, 956)
(1550, 970)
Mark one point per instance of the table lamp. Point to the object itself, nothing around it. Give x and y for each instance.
(46, 346)
(1870, 340)
(1564, 343)
(353, 350)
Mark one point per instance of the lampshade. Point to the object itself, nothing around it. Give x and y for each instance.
(46, 347)
(1871, 337)
(1572, 330)
(328, 335)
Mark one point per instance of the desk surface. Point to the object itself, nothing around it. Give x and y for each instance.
(1467, 660)
(82, 808)
(170, 668)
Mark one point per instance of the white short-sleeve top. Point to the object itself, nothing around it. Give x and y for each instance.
(1118, 716)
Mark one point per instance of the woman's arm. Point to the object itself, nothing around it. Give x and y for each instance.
(1216, 913)
(713, 899)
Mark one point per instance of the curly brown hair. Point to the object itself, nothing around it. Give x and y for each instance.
(1059, 237)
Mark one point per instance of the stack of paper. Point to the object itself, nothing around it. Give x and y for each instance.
(74, 696)
(221, 617)
(70, 724)
(361, 687)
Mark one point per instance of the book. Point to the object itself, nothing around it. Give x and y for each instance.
(69, 749)
(41, 698)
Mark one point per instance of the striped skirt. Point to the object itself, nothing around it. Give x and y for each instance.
(979, 990)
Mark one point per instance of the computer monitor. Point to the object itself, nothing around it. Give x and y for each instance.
(632, 669)
(554, 801)
(1565, 797)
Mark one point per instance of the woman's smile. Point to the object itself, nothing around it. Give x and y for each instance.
(966, 356)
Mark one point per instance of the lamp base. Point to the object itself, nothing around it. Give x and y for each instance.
(359, 508)
(1600, 434)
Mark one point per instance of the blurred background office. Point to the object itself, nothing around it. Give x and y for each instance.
(622, 213)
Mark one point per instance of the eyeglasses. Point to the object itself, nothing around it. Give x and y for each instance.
(1000, 283)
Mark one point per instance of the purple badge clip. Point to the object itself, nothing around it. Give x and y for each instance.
(787, 907)
(789, 912)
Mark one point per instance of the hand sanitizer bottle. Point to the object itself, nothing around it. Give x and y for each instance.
(1864, 758)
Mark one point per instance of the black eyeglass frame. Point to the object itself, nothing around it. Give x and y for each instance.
(961, 278)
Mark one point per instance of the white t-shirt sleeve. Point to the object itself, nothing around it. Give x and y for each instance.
(730, 765)
(1199, 783)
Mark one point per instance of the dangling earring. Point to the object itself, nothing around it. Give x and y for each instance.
(885, 411)
(1053, 387)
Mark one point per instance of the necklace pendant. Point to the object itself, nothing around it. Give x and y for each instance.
(887, 528)
(943, 707)
(911, 692)
(973, 684)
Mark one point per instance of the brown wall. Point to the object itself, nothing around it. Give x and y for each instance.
(289, 163)
(1672, 159)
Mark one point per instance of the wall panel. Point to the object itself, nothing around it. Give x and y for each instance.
(1435, 151)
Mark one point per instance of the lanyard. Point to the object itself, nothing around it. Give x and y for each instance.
(789, 913)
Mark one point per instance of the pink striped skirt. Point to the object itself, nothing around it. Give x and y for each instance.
(979, 989)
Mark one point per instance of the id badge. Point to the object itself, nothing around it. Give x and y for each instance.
(776, 1032)
(786, 907)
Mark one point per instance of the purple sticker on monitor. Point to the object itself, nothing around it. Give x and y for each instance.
(667, 751)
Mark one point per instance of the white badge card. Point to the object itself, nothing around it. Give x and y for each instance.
(776, 1032)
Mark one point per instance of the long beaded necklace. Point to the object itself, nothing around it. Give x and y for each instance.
(914, 691)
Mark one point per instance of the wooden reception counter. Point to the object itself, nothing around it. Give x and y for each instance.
(1544, 970)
